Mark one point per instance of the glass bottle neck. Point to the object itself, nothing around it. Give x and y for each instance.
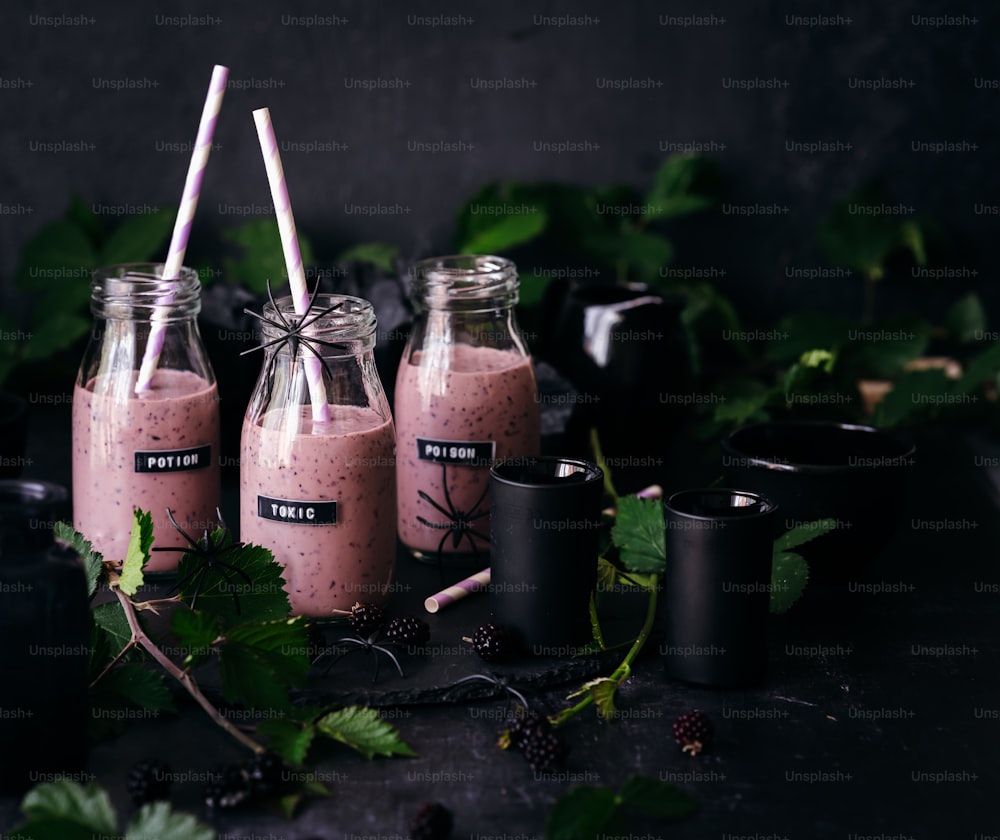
(464, 283)
(138, 292)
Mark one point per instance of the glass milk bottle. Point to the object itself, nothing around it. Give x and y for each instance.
(320, 491)
(465, 396)
(155, 449)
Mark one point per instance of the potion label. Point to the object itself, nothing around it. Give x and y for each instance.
(173, 460)
(471, 453)
(296, 511)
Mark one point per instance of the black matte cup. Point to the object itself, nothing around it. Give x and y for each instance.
(545, 517)
(717, 585)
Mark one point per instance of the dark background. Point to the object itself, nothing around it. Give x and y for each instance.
(59, 72)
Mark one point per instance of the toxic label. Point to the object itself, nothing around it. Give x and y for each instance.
(173, 460)
(472, 453)
(298, 512)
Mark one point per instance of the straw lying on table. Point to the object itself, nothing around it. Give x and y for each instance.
(293, 256)
(182, 224)
(458, 591)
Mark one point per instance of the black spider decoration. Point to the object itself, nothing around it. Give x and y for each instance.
(503, 683)
(460, 524)
(208, 554)
(292, 333)
(370, 644)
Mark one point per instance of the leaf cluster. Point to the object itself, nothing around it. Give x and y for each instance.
(54, 271)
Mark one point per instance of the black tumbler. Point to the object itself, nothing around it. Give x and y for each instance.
(545, 517)
(717, 586)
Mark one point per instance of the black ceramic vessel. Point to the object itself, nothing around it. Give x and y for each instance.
(716, 587)
(44, 640)
(545, 517)
(813, 470)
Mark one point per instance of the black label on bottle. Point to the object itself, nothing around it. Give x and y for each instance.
(173, 460)
(470, 453)
(296, 511)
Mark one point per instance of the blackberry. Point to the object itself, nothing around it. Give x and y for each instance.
(518, 727)
(432, 821)
(231, 788)
(542, 747)
(265, 773)
(149, 781)
(366, 618)
(408, 630)
(492, 642)
(693, 731)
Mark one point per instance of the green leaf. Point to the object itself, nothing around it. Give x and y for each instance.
(640, 254)
(917, 392)
(858, 235)
(93, 561)
(607, 575)
(140, 686)
(55, 332)
(585, 813)
(979, 369)
(802, 332)
(685, 183)
(891, 346)
(261, 255)
(290, 802)
(157, 820)
(260, 662)
(362, 729)
(65, 810)
(289, 739)
(603, 690)
(804, 533)
(789, 576)
(818, 358)
(380, 254)
(506, 232)
(640, 534)
(196, 632)
(741, 410)
(966, 319)
(140, 238)
(263, 599)
(656, 798)
(110, 619)
(59, 256)
(137, 554)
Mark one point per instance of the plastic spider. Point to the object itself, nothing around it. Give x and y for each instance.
(502, 683)
(368, 644)
(292, 331)
(208, 554)
(460, 524)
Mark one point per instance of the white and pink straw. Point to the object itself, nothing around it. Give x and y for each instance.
(293, 256)
(182, 224)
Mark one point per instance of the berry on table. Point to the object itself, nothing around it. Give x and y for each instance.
(693, 730)
(520, 724)
(542, 746)
(492, 642)
(366, 618)
(408, 630)
(149, 781)
(432, 821)
(231, 788)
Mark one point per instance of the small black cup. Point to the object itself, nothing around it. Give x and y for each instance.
(545, 516)
(717, 585)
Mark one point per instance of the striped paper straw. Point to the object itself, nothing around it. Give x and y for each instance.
(293, 257)
(185, 215)
(457, 592)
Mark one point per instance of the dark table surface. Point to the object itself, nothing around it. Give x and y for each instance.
(882, 723)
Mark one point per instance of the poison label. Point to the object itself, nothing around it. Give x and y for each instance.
(298, 512)
(173, 460)
(472, 453)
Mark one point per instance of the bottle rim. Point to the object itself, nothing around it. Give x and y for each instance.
(457, 279)
(138, 290)
(352, 321)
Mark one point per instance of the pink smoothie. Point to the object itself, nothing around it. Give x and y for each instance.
(287, 484)
(485, 396)
(155, 451)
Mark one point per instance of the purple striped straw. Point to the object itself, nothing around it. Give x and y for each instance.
(293, 256)
(458, 591)
(182, 224)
